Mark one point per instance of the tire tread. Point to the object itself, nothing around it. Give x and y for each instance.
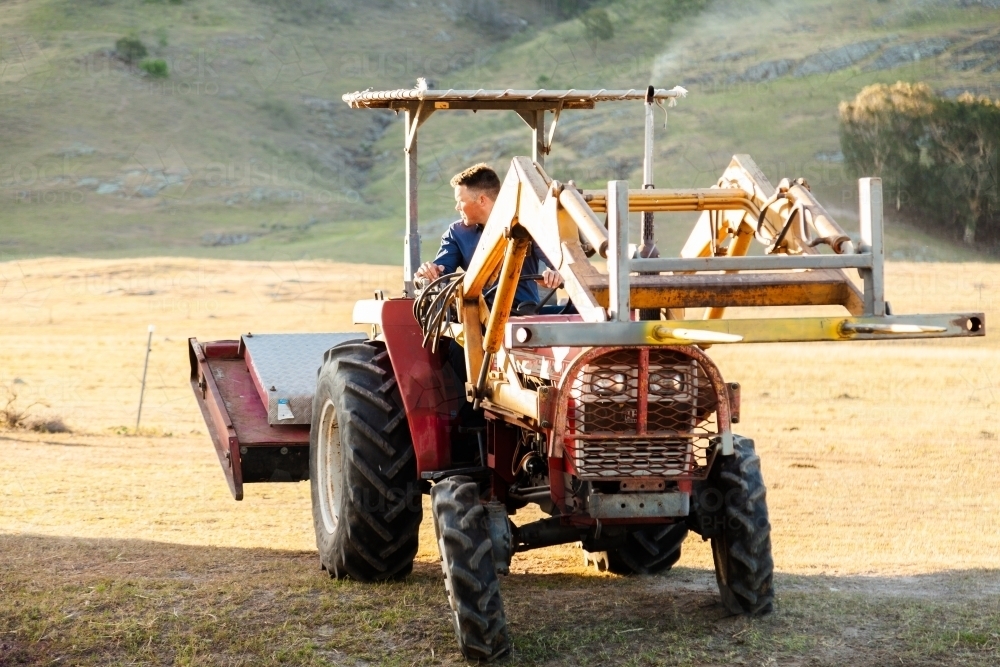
(470, 576)
(740, 532)
(648, 550)
(380, 511)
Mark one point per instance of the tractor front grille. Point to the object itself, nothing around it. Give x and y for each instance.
(661, 458)
(641, 413)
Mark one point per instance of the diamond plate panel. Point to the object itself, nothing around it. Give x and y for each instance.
(288, 363)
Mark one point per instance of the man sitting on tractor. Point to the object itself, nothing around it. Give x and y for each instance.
(476, 191)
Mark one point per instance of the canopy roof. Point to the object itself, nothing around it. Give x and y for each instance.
(500, 99)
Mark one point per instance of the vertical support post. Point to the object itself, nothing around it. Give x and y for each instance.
(647, 248)
(618, 260)
(538, 133)
(647, 156)
(870, 213)
(647, 232)
(642, 413)
(411, 242)
(145, 367)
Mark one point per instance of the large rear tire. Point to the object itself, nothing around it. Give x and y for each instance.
(460, 522)
(366, 500)
(648, 550)
(730, 507)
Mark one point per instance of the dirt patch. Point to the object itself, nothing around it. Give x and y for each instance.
(13, 652)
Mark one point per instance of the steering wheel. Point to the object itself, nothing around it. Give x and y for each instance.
(537, 277)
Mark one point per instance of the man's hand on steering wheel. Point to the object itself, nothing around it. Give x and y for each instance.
(552, 279)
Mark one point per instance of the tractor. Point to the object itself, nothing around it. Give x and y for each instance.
(613, 420)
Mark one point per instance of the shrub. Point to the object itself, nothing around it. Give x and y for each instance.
(281, 114)
(678, 9)
(491, 18)
(156, 67)
(130, 49)
(938, 158)
(568, 9)
(597, 24)
(15, 416)
(55, 425)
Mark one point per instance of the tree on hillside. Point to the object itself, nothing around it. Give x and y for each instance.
(965, 139)
(130, 49)
(941, 154)
(880, 132)
(597, 24)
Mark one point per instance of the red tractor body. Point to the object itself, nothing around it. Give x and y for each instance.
(638, 418)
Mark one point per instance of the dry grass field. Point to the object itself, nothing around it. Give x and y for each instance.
(119, 548)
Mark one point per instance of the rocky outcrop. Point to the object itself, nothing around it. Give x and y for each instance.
(903, 54)
(835, 60)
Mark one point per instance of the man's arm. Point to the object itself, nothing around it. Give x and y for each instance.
(446, 261)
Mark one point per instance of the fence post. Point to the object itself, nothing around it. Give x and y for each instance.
(145, 367)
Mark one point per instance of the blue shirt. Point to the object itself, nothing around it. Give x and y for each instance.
(458, 244)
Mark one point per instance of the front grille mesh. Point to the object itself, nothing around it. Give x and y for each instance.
(603, 436)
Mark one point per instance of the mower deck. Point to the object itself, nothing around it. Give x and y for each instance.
(232, 381)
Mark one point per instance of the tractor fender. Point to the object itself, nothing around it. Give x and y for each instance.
(430, 396)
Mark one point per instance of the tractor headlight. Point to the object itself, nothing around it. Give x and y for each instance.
(609, 385)
(666, 383)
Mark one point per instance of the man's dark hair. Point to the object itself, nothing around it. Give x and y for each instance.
(479, 177)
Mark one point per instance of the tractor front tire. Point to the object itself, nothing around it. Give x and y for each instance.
(648, 550)
(460, 523)
(731, 508)
(366, 499)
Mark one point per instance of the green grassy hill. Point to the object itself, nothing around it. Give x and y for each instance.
(246, 151)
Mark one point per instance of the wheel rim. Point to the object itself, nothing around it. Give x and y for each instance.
(329, 467)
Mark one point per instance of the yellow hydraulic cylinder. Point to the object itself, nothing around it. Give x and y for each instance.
(510, 272)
